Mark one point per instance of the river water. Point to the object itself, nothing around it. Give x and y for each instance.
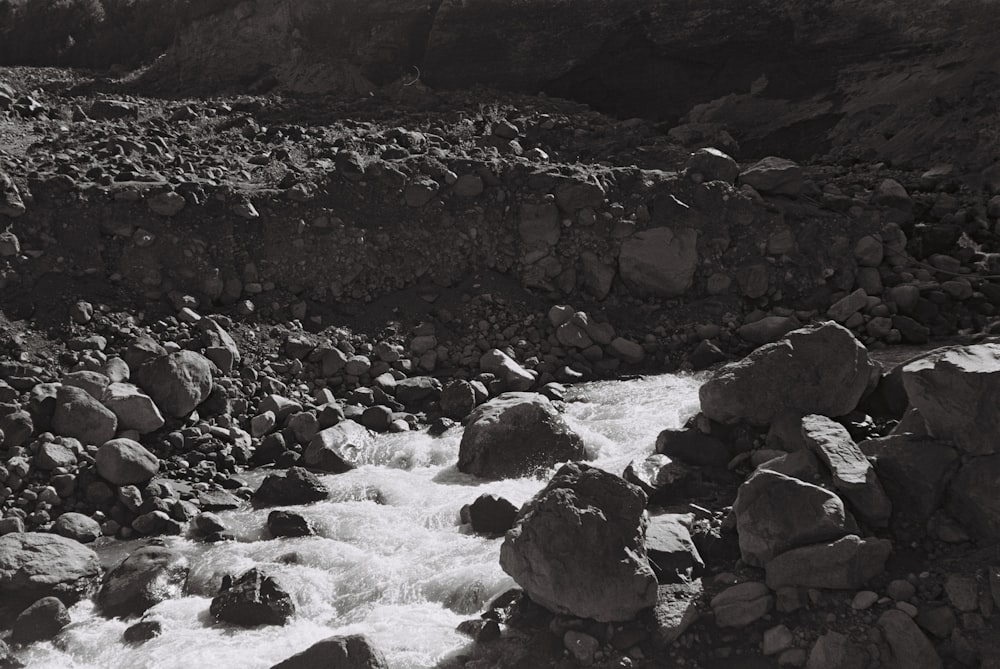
(400, 570)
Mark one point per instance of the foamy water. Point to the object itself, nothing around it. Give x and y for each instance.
(402, 571)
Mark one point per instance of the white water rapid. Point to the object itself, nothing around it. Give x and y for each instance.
(402, 571)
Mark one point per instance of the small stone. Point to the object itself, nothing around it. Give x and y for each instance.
(863, 600)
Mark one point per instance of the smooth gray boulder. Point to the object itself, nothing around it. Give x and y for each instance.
(35, 565)
(178, 382)
(124, 462)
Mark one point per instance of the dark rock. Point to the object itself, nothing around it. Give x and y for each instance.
(41, 621)
(288, 524)
(253, 599)
(80, 416)
(297, 486)
(143, 631)
(78, 527)
(343, 652)
(692, 447)
(914, 470)
(491, 514)
(149, 575)
(577, 547)
(848, 563)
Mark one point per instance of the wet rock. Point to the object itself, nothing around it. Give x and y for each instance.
(846, 564)
(7, 658)
(149, 575)
(41, 621)
(577, 547)
(124, 461)
(740, 605)
(692, 447)
(672, 554)
(252, 599)
(852, 474)
(177, 382)
(35, 565)
(953, 388)
(833, 650)
(910, 648)
(818, 369)
(516, 377)
(972, 497)
(143, 631)
(77, 527)
(705, 355)
(659, 261)
(80, 416)
(656, 474)
(775, 513)
(344, 652)
(773, 175)
(914, 470)
(339, 448)
(491, 514)
(514, 435)
(297, 486)
(134, 409)
(288, 524)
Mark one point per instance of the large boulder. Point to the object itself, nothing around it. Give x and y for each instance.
(77, 526)
(911, 649)
(41, 621)
(955, 389)
(514, 435)
(778, 176)
(339, 448)
(578, 549)
(775, 513)
(819, 369)
(914, 470)
(177, 382)
(853, 476)
(80, 416)
(973, 500)
(353, 651)
(134, 409)
(35, 565)
(124, 462)
(659, 261)
(847, 564)
(298, 486)
(148, 576)
(253, 599)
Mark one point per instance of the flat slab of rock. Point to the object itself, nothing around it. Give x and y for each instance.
(819, 369)
(35, 565)
(954, 389)
(515, 435)
(852, 474)
(577, 547)
(775, 513)
(846, 564)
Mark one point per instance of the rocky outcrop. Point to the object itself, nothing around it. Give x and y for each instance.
(148, 576)
(344, 652)
(35, 565)
(577, 547)
(515, 435)
(819, 369)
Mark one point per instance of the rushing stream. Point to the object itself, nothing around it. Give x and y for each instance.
(400, 569)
